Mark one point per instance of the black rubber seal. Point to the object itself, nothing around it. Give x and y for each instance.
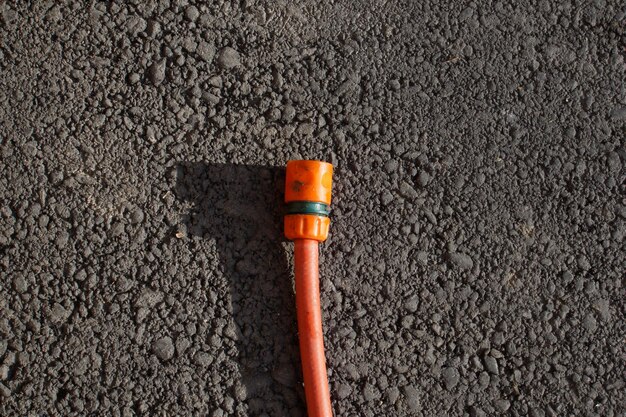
(308, 207)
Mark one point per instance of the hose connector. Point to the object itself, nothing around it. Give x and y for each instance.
(308, 189)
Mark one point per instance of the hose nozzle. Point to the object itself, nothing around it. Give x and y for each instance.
(308, 189)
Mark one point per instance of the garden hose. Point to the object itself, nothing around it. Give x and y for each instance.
(307, 195)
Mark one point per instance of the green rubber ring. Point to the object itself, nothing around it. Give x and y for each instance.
(308, 207)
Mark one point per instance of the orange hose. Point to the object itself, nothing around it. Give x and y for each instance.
(310, 328)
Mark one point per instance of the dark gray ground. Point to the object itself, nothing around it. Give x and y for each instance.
(476, 262)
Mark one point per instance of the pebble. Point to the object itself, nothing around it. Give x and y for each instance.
(163, 348)
(407, 191)
(411, 395)
(391, 165)
(386, 197)
(393, 394)
(20, 284)
(370, 393)
(450, 377)
(182, 344)
(502, 405)
(134, 78)
(461, 260)
(306, 129)
(423, 178)
(192, 13)
(289, 112)
(148, 298)
(491, 364)
(394, 85)
(156, 72)
(228, 58)
(136, 25)
(206, 51)
(136, 216)
(618, 113)
(202, 359)
(477, 412)
(58, 313)
(466, 14)
(603, 307)
(411, 304)
(422, 257)
(589, 323)
(343, 391)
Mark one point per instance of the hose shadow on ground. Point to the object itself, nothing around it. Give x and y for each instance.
(240, 208)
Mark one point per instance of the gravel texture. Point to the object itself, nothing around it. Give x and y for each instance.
(476, 259)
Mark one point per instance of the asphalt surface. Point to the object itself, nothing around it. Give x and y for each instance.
(476, 261)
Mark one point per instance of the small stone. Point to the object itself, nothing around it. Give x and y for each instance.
(136, 25)
(423, 178)
(206, 51)
(614, 162)
(502, 405)
(370, 393)
(232, 331)
(407, 191)
(567, 277)
(306, 129)
(58, 313)
(393, 394)
(20, 284)
(136, 216)
(182, 344)
(484, 379)
(603, 307)
(498, 338)
(156, 72)
(343, 391)
(618, 113)
(394, 85)
(117, 229)
(411, 304)
(491, 364)
(477, 412)
(4, 372)
(202, 359)
(589, 323)
(289, 112)
(163, 348)
(422, 257)
(411, 395)
(148, 298)
(154, 28)
(450, 377)
(192, 13)
(466, 14)
(62, 239)
(386, 197)
(134, 78)
(461, 260)
(390, 166)
(228, 58)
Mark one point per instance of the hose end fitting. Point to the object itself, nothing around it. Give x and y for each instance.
(308, 189)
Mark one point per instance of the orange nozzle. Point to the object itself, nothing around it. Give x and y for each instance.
(308, 181)
(308, 189)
